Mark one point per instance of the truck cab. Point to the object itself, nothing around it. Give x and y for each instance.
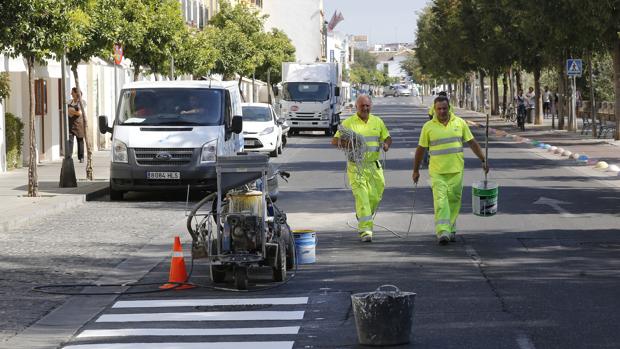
(310, 96)
(168, 134)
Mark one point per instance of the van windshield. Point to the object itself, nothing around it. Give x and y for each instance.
(306, 91)
(171, 107)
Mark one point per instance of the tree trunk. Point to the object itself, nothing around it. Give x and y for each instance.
(561, 91)
(518, 78)
(538, 116)
(87, 139)
(136, 72)
(506, 93)
(472, 93)
(616, 55)
(592, 100)
(512, 87)
(240, 89)
(482, 104)
(495, 94)
(33, 180)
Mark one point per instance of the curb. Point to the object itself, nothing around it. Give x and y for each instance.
(579, 159)
(43, 206)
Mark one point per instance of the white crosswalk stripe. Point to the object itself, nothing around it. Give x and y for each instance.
(133, 324)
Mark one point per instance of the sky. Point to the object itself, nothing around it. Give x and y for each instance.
(384, 21)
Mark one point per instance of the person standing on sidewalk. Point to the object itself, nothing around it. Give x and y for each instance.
(546, 102)
(530, 103)
(366, 177)
(76, 123)
(444, 137)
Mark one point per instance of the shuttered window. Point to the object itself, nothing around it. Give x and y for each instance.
(40, 97)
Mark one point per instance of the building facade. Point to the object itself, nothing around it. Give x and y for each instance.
(302, 21)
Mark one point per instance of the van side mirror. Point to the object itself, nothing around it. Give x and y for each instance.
(237, 124)
(103, 125)
(337, 91)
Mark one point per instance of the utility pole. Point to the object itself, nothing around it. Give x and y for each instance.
(324, 41)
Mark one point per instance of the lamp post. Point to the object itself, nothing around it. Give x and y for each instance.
(67, 171)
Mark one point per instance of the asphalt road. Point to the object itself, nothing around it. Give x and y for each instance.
(543, 273)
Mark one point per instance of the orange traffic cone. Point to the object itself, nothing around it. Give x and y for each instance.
(178, 274)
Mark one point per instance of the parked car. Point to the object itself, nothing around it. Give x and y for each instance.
(262, 129)
(397, 90)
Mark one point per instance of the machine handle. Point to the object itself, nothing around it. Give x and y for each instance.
(396, 289)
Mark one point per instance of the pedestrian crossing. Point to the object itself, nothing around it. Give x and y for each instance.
(196, 323)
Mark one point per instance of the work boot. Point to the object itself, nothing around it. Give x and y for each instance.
(366, 236)
(443, 238)
(453, 237)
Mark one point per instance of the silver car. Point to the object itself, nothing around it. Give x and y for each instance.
(397, 90)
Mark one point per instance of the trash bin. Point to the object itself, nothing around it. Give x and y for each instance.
(530, 115)
(383, 317)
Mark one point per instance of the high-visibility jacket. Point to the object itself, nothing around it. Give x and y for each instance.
(374, 132)
(445, 144)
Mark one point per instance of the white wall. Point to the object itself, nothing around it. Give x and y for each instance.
(301, 21)
(394, 68)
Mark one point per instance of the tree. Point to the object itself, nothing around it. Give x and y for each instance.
(159, 27)
(196, 55)
(93, 29)
(365, 59)
(276, 48)
(239, 31)
(34, 29)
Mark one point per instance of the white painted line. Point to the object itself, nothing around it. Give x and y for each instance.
(160, 303)
(204, 345)
(205, 316)
(128, 332)
(525, 342)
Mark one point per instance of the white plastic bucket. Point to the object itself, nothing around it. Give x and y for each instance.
(305, 246)
(484, 196)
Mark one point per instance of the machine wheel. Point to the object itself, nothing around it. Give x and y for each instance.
(115, 195)
(241, 277)
(289, 242)
(284, 140)
(279, 271)
(217, 273)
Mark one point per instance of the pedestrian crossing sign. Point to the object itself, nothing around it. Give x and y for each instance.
(574, 67)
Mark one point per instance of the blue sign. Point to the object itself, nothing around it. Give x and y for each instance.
(574, 67)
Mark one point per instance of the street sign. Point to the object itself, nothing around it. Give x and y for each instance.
(118, 54)
(574, 67)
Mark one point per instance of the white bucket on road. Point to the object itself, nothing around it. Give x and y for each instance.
(484, 198)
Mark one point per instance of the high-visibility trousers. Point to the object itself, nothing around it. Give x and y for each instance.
(447, 193)
(367, 186)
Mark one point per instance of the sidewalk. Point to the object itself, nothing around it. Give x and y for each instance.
(598, 151)
(16, 208)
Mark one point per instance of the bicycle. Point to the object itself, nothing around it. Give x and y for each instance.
(510, 114)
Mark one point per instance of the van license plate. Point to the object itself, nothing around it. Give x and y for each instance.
(163, 175)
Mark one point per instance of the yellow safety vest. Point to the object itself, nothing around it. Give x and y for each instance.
(374, 132)
(445, 144)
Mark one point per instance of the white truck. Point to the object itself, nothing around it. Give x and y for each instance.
(310, 98)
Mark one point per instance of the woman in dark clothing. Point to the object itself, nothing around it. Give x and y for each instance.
(76, 124)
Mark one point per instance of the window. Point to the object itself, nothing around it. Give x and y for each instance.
(201, 16)
(40, 97)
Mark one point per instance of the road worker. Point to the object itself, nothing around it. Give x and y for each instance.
(444, 136)
(365, 176)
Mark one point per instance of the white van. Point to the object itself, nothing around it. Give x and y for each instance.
(168, 134)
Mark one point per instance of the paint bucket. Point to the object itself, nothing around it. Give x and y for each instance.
(383, 318)
(484, 198)
(305, 246)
